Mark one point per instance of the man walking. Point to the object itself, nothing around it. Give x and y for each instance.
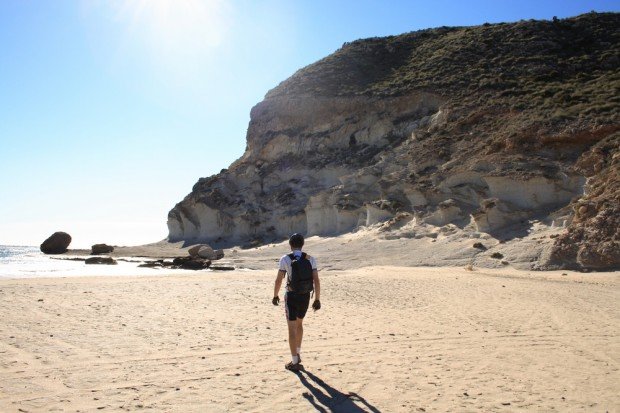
(302, 277)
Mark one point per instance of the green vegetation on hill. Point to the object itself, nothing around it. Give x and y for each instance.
(563, 69)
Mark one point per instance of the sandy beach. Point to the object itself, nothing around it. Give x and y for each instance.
(453, 173)
(388, 339)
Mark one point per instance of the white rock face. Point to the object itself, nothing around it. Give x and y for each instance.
(298, 125)
(327, 166)
(496, 214)
(446, 213)
(416, 198)
(536, 192)
(375, 215)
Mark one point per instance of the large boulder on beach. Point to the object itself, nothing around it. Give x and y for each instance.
(57, 243)
(210, 254)
(206, 252)
(193, 251)
(101, 249)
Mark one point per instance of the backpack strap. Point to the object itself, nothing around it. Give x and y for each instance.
(291, 256)
(304, 255)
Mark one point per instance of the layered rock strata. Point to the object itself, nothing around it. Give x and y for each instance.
(483, 127)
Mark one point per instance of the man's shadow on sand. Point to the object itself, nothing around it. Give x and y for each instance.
(330, 399)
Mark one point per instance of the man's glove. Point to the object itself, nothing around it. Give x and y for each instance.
(316, 305)
(276, 300)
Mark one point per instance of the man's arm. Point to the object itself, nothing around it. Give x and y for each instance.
(278, 283)
(317, 285)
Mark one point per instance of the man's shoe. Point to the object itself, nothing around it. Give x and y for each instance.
(293, 367)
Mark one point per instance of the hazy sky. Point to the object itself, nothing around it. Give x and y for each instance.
(111, 110)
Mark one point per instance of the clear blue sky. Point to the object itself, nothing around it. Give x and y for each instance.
(111, 110)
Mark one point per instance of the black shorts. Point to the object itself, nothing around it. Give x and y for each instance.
(296, 305)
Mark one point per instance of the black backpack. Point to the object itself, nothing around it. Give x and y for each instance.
(301, 280)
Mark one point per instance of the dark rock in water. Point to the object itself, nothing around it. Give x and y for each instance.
(68, 258)
(100, 260)
(57, 243)
(101, 249)
(497, 255)
(191, 263)
(480, 246)
(186, 263)
(222, 268)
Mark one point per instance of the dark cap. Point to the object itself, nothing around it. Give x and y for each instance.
(296, 240)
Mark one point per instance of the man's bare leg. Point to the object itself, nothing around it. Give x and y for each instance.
(300, 333)
(292, 336)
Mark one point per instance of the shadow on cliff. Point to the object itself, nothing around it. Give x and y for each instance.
(523, 228)
(518, 230)
(244, 245)
(324, 398)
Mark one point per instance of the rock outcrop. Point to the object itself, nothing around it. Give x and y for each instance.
(485, 128)
(206, 252)
(57, 243)
(593, 238)
(101, 260)
(101, 249)
(191, 263)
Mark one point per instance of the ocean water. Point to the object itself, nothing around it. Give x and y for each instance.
(30, 262)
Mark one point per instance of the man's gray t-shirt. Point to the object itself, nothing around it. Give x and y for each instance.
(286, 265)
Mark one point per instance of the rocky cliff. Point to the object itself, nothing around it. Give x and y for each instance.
(485, 128)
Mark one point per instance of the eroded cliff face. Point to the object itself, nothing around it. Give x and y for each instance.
(326, 158)
(304, 169)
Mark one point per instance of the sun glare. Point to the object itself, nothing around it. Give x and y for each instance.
(173, 37)
(173, 27)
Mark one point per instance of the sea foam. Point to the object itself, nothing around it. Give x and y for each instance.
(30, 262)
